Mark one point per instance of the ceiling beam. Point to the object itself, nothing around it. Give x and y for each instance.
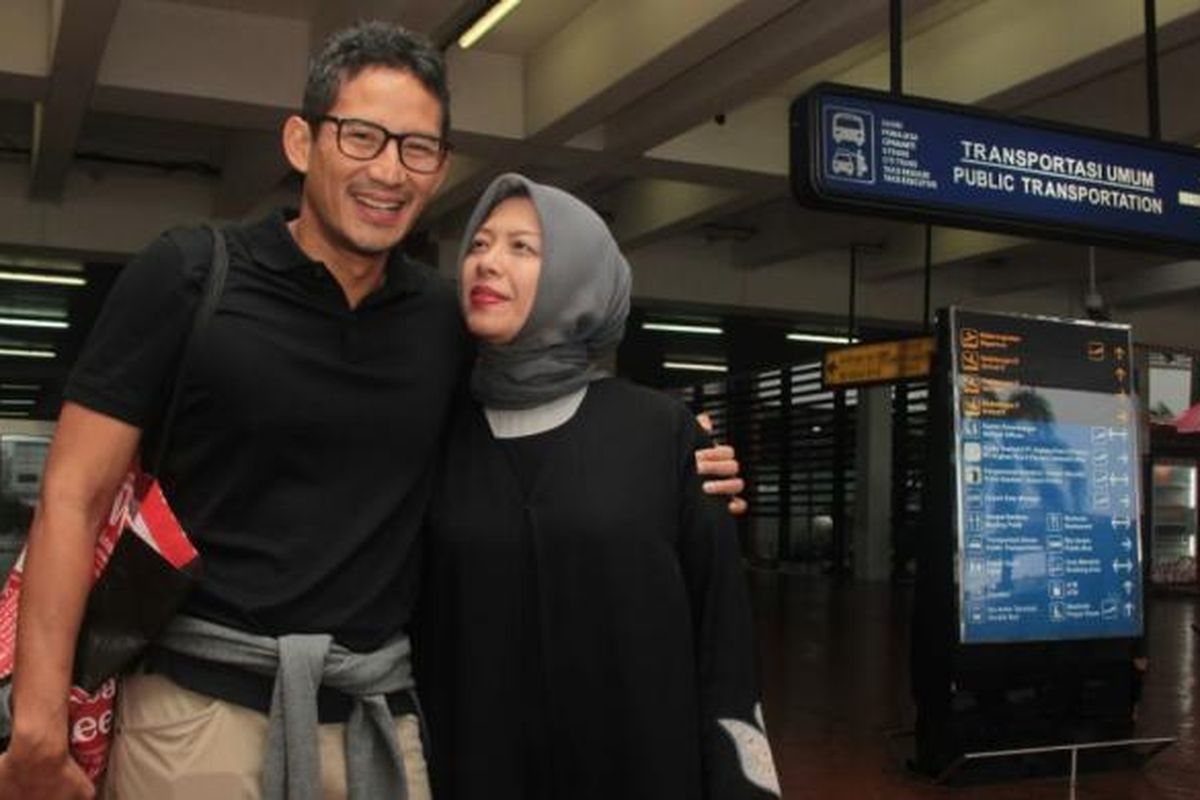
(646, 209)
(26, 46)
(616, 50)
(789, 231)
(1107, 89)
(800, 38)
(254, 166)
(1154, 286)
(428, 17)
(169, 59)
(83, 31)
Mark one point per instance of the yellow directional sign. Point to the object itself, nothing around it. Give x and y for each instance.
(878, 362)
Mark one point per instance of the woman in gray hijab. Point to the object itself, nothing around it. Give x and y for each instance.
(586, 629)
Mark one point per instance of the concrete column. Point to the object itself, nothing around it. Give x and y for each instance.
(873, 485)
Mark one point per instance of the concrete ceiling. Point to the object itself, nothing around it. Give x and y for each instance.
(120, 117)
(295, 9)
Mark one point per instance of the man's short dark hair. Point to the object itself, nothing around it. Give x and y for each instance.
(349, 51)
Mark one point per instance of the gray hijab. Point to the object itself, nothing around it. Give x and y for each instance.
(578, 315)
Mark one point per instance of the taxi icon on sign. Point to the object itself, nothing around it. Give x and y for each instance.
(849, 162)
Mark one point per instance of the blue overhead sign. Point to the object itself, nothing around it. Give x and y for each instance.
(857, 149)
(1047, 479)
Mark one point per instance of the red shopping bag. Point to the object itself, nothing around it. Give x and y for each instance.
(143, 568)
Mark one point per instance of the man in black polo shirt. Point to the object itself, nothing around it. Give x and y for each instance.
(300, 462)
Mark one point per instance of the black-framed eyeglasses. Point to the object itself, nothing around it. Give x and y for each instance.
(363, 141)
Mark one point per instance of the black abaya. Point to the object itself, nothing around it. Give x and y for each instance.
(585, 626)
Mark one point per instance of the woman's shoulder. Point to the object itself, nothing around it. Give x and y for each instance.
(634, 402)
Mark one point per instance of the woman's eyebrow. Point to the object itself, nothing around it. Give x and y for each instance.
(524, 232)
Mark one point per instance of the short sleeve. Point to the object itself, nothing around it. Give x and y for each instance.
(128, 361)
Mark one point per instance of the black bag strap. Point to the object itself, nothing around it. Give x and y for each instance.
(214, 282)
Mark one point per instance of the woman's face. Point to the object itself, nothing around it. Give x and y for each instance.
(500, 272)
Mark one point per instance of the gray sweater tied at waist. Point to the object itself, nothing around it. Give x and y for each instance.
(300, 663)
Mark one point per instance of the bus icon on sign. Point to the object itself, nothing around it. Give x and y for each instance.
(850, 128)
(849, 144)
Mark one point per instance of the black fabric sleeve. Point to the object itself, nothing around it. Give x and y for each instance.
(737, 757)
(128, 363)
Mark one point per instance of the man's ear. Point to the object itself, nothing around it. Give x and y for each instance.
(297, 143)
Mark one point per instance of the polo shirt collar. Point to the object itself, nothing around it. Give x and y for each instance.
(273, 246)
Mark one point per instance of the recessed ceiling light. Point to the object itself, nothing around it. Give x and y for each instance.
(822, 338)
(674, 327)
(42, 277)
(25, 352)
(29, 322)
(695, 366)
(485, 23)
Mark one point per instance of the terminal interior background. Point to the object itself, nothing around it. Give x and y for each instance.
(120, 118)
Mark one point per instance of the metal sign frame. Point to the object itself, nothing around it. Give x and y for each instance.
(810, 189)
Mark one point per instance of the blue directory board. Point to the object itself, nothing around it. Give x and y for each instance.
(1046, 457)
(854, 149)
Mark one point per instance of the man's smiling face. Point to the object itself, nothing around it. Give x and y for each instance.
(365, 208)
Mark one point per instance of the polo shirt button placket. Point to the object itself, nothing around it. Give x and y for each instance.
(351, 338)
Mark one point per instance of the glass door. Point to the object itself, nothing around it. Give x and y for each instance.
(1173, 538)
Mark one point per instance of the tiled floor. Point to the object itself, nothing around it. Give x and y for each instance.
(835, 667)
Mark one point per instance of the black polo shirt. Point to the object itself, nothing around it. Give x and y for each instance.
(303, 450)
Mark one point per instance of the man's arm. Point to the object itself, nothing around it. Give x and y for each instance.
(88, 458)
(735, 753)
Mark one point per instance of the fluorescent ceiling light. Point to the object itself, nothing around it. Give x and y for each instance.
(29, 322)
(42, 277)
(672, 327)
(14, 413)
(17, 401)
(695, 366)
(485, 23)
(37, 262)
(24, 310)
(820, 337)
(21, 352)
(21, 387)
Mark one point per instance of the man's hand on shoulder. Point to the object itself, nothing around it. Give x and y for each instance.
(719, 464)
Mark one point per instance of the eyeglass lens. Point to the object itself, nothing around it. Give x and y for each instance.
(365, 140)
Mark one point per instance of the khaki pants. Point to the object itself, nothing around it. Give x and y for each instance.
(173, 744)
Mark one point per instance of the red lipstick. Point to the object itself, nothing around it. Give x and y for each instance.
(483, 296)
